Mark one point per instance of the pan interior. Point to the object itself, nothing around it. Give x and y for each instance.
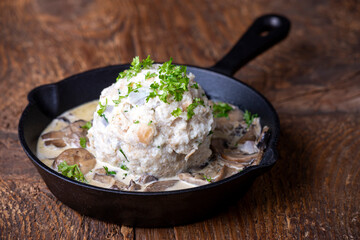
(49, 101)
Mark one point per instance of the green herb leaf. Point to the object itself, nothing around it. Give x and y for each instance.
(249, 118)
(135, 68)
(124, 167)
(149, 123)
(87, 125)
(102, 108)
(136, 121)
(192, 106)
(118, 100)
(83, 142)
(207, 178)
(177, 112)
(210, 132)
(103, 115)
(109, 172)
(72, 171)
(221, 109)
(173, 82)
(150, 75)
(147, 63)
(123, 154)
(196, 86)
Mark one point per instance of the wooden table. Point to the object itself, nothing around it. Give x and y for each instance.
(312, 79)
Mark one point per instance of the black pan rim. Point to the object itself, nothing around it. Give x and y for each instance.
(271, 145)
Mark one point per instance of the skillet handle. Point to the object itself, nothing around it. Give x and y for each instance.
(264, 33)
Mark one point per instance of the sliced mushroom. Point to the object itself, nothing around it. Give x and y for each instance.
(226, 124)
(104, 178)
(253, 132)
(195, 178)
(230, 154)
(225, 172)
(147, 178)
(236, 165)
(263, 139)
(160, 186)
(83, 158)
(101, 176)
(238, 156)
(133, 186)
(248, 147)
(119, 185)
(66, 136)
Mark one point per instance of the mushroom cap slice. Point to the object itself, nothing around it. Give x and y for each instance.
(118, 185)
(237, 156)
(263, 139)
(147, 178)
(133, 186)
(225, 172)
(160, 186)
(70, 134)
(101, 176)
(195, 178)
(104, 178)
(83, 158)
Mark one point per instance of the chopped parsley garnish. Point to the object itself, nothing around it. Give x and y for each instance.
(135, 68)
(173, 82)
(71, 171)
(210, 132)
(207, 178)
(147, 63)
(136, 121)
(191, 107)
(158, 146)
(149, 123)
(150, 75)
(249, 118)
(221, 109)
(103, 115)
(109, 172)
(124, 167)
(177, 112)
(87, 125)
(196, 86)
(102, 108)
(123, 154)
(118, 100)
(83, 142)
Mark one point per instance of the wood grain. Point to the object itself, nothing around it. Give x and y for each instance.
(312, 79)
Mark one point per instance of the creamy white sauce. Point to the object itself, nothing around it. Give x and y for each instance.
(85, 112)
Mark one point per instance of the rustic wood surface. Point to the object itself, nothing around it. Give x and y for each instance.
(312, 79)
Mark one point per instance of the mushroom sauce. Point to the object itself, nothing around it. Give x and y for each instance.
(237, 142)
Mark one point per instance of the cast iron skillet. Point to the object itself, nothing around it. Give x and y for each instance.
(158, 209)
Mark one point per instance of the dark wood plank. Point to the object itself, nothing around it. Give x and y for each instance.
(312, 78)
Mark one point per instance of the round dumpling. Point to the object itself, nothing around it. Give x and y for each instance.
(155, 119)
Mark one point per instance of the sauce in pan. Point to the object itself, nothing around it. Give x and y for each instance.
(235, 146)
(154, 129)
